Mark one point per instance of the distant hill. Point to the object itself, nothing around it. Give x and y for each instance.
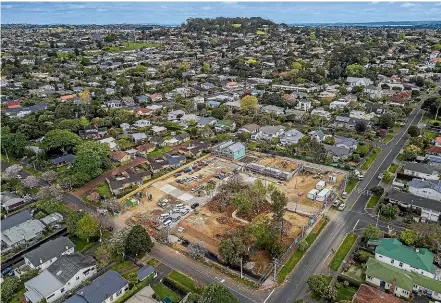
(413, 24)
(221, 24)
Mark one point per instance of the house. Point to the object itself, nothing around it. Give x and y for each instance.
(189, 118)
(158, 164)
(182, 138)
(109, 91)
(92, 132)
(249, 128)
(194, 149)
(111, 142)
(24, 111)
(156, 97)
(213, 104)
(142, 123)
(64, 160)
(321, 112)
(348, 143)
(138, 137)
(438, 141)
(206, 121)
(157, 141)
(318, 135)
(158, 130)
(13, 104)
(175, 160)
(361, 114)
(119, 156)
(339, 104)
(304, 105)
(225, 125)
(145, 149)
(143, 112)
(291, 136)
(10, 201)
(63, 275)
(400, 282)
(430, 189)
(349, 123)
(354, 81)
(369, 294)
(126, 179)
(145, 272)
(46, 254)
(269, 132)
(105, 289)
(295, 115)
(52, 219)
(230, 150)
(374, 92)
(272, 109)
(175, 115)
(429, 209)
(434, 150)
(125, 126)
(419, 170)
(395, 253)
(128, 101)
(114, 104)
(172, 142)
(338, 153)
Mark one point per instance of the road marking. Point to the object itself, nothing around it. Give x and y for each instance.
(411, 123)
(269, 295)
(355, 225)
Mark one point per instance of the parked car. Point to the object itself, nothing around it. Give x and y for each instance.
(220, 280)
(336, 203)
(194, 205)
(342, 206)
(344, 195)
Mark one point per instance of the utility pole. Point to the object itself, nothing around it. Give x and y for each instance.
(275, 270)
(378, 216)
(241, 275)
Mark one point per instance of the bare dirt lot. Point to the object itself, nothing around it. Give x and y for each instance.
(279, 163)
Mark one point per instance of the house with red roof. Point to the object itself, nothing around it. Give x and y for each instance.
(143, 112)
(14, 104)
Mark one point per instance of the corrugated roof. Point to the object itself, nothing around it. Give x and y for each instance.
(49, 250)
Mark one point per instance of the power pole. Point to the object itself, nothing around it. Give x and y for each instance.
(241, 275)
(275, 270)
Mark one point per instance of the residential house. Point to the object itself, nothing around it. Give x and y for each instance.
(10, 201)
(157, 141)
(213, 104)
(175, 115)
(272, 109)
(194, 149)
(349, 123)
(156, 97)
(142, 123)
(114, 104)
(46, 254)
(369, 294)
(182, 138)
(158, 164)
(360, 114)
(63, 275)
(125, 126)
(52, 220)
(126, 179)
(354, 81)
(206, 121)
(434, 150)
(429, 209)
(175, 160)
(105, 289)
(374, 92)
(158, 130)
(419, 170)
(339, 104)
(376, 108)
(119, 156)
(92, 132)
(230, 150)
(290, 137)
(139, 137)
(304, 105)
(145, 272)
(338, 153)
(111, 142)
(438, 141)
(225, 125)
(145, 149)
(24, 111)
(20, 229)
(430, 189)
(172, 142)
(400, 282)
(295, 115)
(318, 135)
(128, 101)
(142, 112)
(267, 133)
(249, 128)
(348, 143)
(321, 112)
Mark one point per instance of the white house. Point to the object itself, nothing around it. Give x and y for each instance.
(142, 123)
(354, 81)
(304, 105)
(65, 274)
(291, 136)
(419, 170)
(175, 115)
(430, 189)
(105, 289)
(361, 114)
(321, 112)
(269, 132)
(430, 209)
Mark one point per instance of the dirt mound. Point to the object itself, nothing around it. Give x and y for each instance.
(222, 220)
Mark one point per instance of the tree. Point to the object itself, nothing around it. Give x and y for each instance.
(10, 288)
(72, 221)
(206, 68)
(13, 144)
(232, 248)
(12, 171)
(303, 245)
(387, 176)
(219, 112)
(279, 202)
(248, 103)
(103, 255)
(138, 242)
(371, 232)
(355, 70)
(386, 121)
(49, 176)
(50, 192)
(360, 127)
(196, 250)
(377, 190)
(50, 206)
(30, 181)
(217, 293)
(409, 237)
(389, 211)
(90, 160)
(319, 286)
(410, 153)
(87, 227)
(413, 131)
(244, 136)
(60, 140)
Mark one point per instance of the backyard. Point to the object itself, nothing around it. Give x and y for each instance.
(162, 292)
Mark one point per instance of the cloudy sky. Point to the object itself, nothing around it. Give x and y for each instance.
(174, 13)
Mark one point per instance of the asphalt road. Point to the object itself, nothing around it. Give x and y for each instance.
(319, 255)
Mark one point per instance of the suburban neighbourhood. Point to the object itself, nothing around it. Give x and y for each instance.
(221, 160)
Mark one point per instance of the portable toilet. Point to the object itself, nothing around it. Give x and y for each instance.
(320, 185)
(312, 194)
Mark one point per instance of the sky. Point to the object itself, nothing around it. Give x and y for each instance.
(175, 13)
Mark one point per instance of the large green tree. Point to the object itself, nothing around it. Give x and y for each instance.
(138, 242)
(87, 227)
(60, 140)
(216, 293)
(91, 159)
(232, 248)
(13, 144)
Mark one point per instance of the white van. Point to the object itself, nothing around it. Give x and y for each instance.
(168, 222)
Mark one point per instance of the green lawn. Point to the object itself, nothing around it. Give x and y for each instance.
(103, 189)
(388, 138)
(430, 135)
(373, 201)
(351, 185)
(184, 280)
(153, 262)
(433, 121)
(130, 46)
(345, 292)
(371, 159)
(259, 32)
(160, 151)
(82, 245)
(342, 251)
(120, 267)
(393, 168)
(297, 255)
(163, 292)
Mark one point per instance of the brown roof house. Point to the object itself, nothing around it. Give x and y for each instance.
(119, 156)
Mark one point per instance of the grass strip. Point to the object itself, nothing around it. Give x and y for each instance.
(342, 251)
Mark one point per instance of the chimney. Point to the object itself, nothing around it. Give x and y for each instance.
(41, 261)
(67, 247)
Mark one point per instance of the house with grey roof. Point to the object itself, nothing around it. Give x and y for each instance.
(105, 289)
(430, 209)
(269, 132)
(10, 201)
(420, 170)
(206, 121)
(139, 137)
(290, 137)
(249, 128)
(337, 153)
(146, 271)
(348, 143)
(65, 274)
(430, 189)
(46, 254)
